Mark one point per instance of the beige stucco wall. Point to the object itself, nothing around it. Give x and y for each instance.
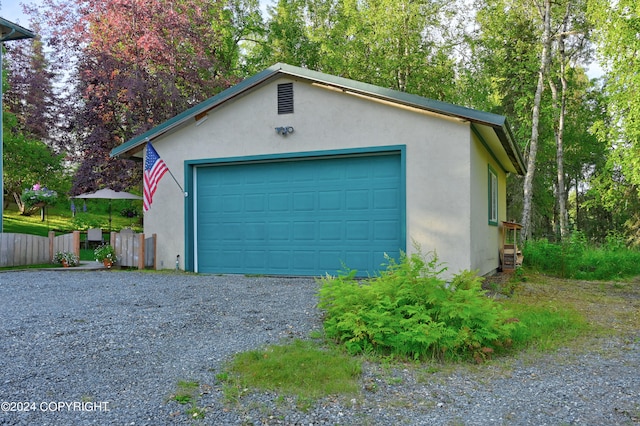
(439, 162)
(485, 238)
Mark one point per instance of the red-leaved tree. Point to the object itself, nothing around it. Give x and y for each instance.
(134, 64)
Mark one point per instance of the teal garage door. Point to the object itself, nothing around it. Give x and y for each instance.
(302, 217)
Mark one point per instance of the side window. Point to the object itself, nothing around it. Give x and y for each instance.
(493, 197)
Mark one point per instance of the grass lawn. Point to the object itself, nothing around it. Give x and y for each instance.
(60, 219)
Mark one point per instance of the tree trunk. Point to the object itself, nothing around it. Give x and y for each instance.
(19, 202)
(558, 129)
(578, 203)
(562, 192)
(535, 121)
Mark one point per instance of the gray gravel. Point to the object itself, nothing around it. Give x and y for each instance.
(118, 343)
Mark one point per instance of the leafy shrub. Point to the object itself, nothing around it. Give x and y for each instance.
(129, 212)
(410, 311)
(86, 221)
(577, 259)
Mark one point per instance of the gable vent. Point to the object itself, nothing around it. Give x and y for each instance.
(285, 98)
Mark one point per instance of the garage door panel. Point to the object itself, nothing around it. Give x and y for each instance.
(358, 199)
(385, 199)
(327, 173)
(358, 171)
(304, 231)
(279, 202)
(279, 260)
(357, 230)
(299, 218)
(280, 175)
(256, 259)
(330, 200)
(386, 230)
(327, 260)
(230, 257)
(359, 260)
(304, 201)
(254, 203)
(331, 230)
(304, 260)
(255, 232)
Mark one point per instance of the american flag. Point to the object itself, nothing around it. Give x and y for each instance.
(154, 169)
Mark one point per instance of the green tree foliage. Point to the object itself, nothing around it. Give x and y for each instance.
(505, 62)
(411, 312)
(390, 43)
(618, 38)
(30, 95)
(28, 162)
(286, 38)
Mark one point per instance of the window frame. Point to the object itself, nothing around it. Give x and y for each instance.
(493, 196)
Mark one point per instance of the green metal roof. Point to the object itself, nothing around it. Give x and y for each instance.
(497, 122)
(11, 31)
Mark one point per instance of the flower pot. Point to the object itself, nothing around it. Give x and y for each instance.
(65, 264)
(107, 262)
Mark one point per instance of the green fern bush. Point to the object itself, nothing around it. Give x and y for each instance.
(410, 311)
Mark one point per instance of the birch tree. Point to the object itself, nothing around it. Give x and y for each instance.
(544, 9)
(569, 44)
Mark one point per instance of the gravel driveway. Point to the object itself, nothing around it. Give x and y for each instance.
(107, 347)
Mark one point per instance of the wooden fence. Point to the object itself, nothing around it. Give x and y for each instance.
(25, 249)
(134, 250)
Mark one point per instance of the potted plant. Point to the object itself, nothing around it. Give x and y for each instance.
(37, 197)
(105, 254)
(66, 259)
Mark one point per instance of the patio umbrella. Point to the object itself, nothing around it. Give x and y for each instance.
(109, 194)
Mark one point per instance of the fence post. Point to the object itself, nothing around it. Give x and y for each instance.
(52, 236)
(76, 243)
(155, 252)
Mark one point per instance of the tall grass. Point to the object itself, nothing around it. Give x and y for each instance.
(578, 259)
(544, 326)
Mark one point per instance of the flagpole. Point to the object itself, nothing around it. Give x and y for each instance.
(169, 170)
(176, 181)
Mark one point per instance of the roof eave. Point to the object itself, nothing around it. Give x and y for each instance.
(136, 144)
(497, 122)
(508, 143)
(12, 31)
